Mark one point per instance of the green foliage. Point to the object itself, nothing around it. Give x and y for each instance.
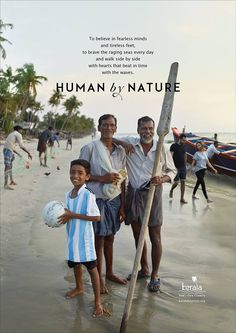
(80, 125)
(18, 92)
(18, 95)
(2, 39)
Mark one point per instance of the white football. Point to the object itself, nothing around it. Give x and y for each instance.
(51, 212)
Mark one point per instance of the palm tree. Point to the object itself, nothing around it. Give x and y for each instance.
(8, 100)
(71, 105)
(55, 101)
(56, 98)
(35, 108)
(26, 82)
(2, 39)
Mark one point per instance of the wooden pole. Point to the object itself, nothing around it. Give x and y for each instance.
(162, 129)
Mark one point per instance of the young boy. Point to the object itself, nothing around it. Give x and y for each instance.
(81, 211)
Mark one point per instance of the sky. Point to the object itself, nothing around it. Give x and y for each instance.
(199, 35)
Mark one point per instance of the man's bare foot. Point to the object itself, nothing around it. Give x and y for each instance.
(12, 183)
(142, 274)
(74, 292)
(117, 279)
(101, 311)
(7, 187)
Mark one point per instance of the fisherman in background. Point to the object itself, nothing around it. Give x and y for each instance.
(55, 137)
(69, 141)
(179, 155)
(44, 138)
(212, 149)
(8, 152)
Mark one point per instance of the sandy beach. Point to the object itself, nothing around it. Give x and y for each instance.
(198, 251)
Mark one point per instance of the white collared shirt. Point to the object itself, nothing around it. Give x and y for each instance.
(140, 166)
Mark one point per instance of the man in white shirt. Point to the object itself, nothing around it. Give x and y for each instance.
(8, 152)
(212, 150)
(139, 166)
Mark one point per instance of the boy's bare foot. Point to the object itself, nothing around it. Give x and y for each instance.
(12, 183)
(117, 279)
(74, 292)
(7, 187)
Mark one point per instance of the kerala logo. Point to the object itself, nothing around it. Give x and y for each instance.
(192, 287)
(192, 291)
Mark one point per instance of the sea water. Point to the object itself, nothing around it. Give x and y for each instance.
(224, 137)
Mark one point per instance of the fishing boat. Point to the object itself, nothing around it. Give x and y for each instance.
(225, 162)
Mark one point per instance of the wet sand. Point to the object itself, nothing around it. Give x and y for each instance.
(198, 247)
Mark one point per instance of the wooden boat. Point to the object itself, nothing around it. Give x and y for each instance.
(225, 162)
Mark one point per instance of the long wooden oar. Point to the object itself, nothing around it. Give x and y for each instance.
(162, 129)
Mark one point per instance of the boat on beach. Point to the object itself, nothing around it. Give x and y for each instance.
(225, 162)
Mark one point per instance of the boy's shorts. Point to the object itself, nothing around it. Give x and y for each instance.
(88, 264)
(181, 174)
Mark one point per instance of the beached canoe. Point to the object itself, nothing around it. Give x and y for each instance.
(225, 162)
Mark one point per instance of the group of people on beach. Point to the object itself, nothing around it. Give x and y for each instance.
(99, 195)
(100, 200)
(46, 141)
(200, 161)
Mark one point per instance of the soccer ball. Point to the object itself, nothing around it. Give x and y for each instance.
(51, 212)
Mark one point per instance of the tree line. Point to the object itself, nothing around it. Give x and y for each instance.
(19, 104)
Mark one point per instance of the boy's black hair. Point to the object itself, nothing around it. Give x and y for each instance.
(83, 163)
(182, 135)
(105, 117)
(144, 120)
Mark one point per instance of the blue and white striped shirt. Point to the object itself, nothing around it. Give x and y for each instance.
(80, 233)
